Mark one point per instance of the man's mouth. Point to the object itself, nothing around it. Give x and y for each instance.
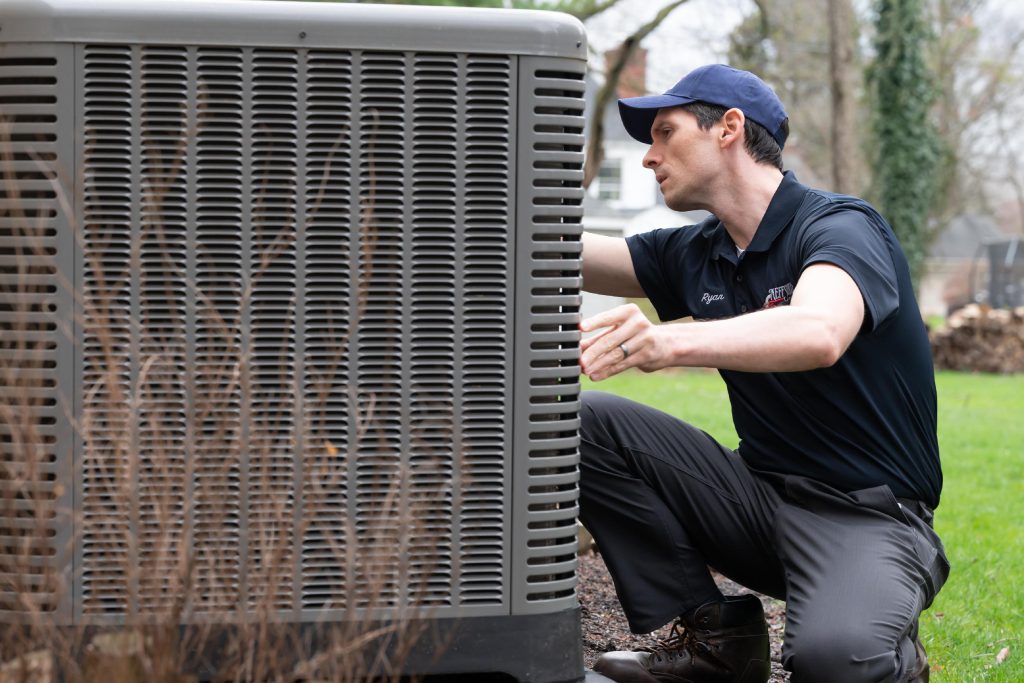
(660, 178)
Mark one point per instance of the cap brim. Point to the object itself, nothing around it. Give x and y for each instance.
(638, 113)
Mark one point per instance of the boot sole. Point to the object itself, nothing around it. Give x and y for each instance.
(757, 671)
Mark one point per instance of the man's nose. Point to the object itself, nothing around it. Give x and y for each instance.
(650, 159)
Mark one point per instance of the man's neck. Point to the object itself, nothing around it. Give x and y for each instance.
(745, 201)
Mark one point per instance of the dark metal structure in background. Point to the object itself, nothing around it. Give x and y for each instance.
(1006, 272)
(277, 279)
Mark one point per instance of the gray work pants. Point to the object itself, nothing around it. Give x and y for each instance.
(664, 501)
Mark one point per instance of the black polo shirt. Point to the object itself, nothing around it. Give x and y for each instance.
(870, 419)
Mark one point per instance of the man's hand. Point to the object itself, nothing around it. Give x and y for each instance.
(628, 340)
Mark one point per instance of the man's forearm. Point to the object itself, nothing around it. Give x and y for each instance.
(784, 339)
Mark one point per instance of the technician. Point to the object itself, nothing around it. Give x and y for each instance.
(802, 299)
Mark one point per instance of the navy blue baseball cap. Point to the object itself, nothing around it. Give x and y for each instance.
(715, 84)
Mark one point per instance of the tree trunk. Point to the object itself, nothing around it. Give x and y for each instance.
(841, 38)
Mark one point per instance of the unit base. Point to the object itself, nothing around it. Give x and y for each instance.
(541, 648)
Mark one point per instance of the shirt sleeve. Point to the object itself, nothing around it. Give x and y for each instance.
(851, 240)
(653, 253)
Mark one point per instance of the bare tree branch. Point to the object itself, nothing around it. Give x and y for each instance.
(595, 143)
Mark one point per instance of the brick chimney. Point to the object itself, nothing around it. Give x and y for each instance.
(633, 81)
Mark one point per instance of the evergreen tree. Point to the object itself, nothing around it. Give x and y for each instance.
(908, 150)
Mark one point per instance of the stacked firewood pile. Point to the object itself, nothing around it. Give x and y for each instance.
(978, 338)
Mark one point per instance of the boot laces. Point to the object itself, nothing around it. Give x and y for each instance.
(680, 639)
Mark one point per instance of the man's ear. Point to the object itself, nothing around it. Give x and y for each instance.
(731, 127)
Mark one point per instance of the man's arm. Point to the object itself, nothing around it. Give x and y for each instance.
(608, 267)
(824, 316)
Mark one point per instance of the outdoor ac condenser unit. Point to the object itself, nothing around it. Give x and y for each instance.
(289, 297)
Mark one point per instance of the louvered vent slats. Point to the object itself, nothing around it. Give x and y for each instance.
(436, 305)
(330, 319)
(482, 552)
(298, 287)
(271, 356)
(33, 349)
(381, 516)
(216, 411)
(552, 99)
(162, 343)
(109, 430)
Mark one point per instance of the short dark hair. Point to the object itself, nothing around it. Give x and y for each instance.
(758, 141)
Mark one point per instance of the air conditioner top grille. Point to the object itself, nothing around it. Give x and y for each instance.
(295, 24)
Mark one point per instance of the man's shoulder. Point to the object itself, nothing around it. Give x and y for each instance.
(818, 203)
(823, 210)
(701, 231)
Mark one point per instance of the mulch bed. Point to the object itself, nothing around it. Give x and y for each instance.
(605, 627)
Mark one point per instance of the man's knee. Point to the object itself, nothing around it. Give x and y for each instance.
(840, 653)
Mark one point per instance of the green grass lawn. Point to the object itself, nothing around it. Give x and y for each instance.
(981, 518)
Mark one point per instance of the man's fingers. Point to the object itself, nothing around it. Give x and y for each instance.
(608, 372)
(596, 322)
(597, 338)
(610, 318)
(588, 342)
(614, 366)
(602, 354)
(609, 351)
(609, 341)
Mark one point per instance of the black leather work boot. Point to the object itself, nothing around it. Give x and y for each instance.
(719, 642)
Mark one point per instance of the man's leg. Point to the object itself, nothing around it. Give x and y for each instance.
(663, 501)
(860, 568)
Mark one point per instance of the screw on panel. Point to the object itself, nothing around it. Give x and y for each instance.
(302, 35)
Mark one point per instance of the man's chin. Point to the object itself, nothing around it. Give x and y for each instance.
(680, 204)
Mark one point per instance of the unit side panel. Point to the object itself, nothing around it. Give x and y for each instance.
(549, 211)
(36, 332)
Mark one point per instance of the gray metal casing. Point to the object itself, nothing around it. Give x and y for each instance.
(368, 214)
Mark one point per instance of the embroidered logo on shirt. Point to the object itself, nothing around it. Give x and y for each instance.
(779, 296)
(709, 297)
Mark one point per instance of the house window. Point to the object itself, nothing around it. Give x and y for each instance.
(609, 179)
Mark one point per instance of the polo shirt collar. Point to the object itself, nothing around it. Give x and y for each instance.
(721, 244)
(780, 212)
(782, 208)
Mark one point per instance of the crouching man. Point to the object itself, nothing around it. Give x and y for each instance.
(803, 301)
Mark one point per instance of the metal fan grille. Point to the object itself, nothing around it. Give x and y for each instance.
(298, 286)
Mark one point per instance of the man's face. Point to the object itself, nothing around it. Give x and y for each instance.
(684, 158)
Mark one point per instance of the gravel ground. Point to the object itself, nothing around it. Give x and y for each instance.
(605, 628)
